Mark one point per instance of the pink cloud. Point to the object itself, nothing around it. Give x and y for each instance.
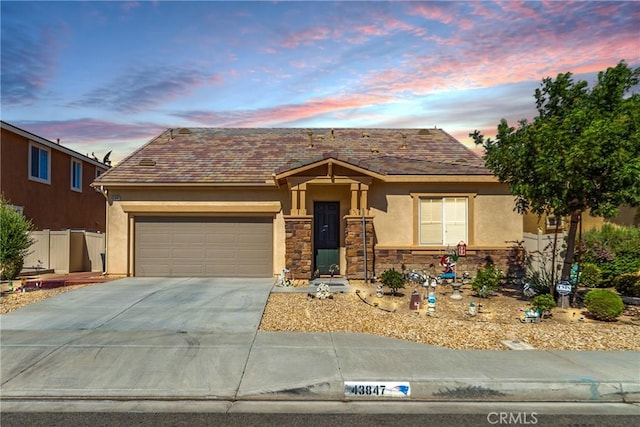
(279, 115)
(520, 10)
(433, 12)
(307, 36)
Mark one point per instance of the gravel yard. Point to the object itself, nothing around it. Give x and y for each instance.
(450, 326)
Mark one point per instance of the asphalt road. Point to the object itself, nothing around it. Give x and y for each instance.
(334, 420)
(446, 414)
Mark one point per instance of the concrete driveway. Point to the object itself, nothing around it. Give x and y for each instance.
(134, 337)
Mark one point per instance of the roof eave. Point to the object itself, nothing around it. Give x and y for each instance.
(53, 145)
(441, 178)
(122, 184)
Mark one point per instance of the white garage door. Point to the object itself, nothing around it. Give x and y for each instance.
(204, 247)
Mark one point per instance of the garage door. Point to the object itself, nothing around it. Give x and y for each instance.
(205, 247)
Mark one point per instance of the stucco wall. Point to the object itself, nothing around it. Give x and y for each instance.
(496, 223)
(492, 220)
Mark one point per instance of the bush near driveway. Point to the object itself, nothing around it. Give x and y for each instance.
(14, 240)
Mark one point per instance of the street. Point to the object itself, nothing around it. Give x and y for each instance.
(304, 413)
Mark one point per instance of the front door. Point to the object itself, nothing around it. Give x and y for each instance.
(326, 232)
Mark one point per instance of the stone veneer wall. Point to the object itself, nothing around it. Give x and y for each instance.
(354, 244)
(298, 246)
(509, 260)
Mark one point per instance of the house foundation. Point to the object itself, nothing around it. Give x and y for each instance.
(509, 260)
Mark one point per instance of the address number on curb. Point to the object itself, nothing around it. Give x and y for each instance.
(377, 389)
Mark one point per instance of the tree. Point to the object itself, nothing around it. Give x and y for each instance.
(580, 153)
(14, 240)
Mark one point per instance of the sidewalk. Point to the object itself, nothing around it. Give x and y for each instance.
(316, 367)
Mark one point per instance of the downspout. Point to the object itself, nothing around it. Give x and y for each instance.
(364, 241)
(104, 192)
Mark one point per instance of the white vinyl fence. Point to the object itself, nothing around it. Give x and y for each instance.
(539, 248)
(66, 251)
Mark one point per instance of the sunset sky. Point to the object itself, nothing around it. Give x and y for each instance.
(111, 75)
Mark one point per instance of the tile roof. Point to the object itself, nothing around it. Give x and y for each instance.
(246, 155)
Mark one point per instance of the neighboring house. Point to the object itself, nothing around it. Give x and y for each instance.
(49, 183)
(544, 224)
(250, 202)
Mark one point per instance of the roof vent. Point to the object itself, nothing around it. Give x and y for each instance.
(185, 131)
(365, 134)
(147, 162)
(375, 149)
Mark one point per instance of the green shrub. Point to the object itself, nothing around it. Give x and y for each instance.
(603, 304)
(590, 275)
(613, 248)
(487, 279)
(628, 284)
(543, 303)
(538, 283)
(14, 240)
(392, 279)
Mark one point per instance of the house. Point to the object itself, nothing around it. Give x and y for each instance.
(251, 202)
(545, 224)
(51, 185)
(548, 224)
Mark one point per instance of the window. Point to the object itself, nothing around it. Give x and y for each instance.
(19, 209)
(76, 175)
(443, 220)
(39, 164)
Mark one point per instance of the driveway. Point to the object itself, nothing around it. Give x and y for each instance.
(134, 337)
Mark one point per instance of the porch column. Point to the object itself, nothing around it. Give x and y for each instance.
(364, 188)
(294, 201)
(354, 199)
(302, 190)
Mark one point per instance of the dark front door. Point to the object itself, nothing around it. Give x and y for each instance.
(326, 232)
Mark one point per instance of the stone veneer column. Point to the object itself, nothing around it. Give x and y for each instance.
(355, 247)
(298, 246)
